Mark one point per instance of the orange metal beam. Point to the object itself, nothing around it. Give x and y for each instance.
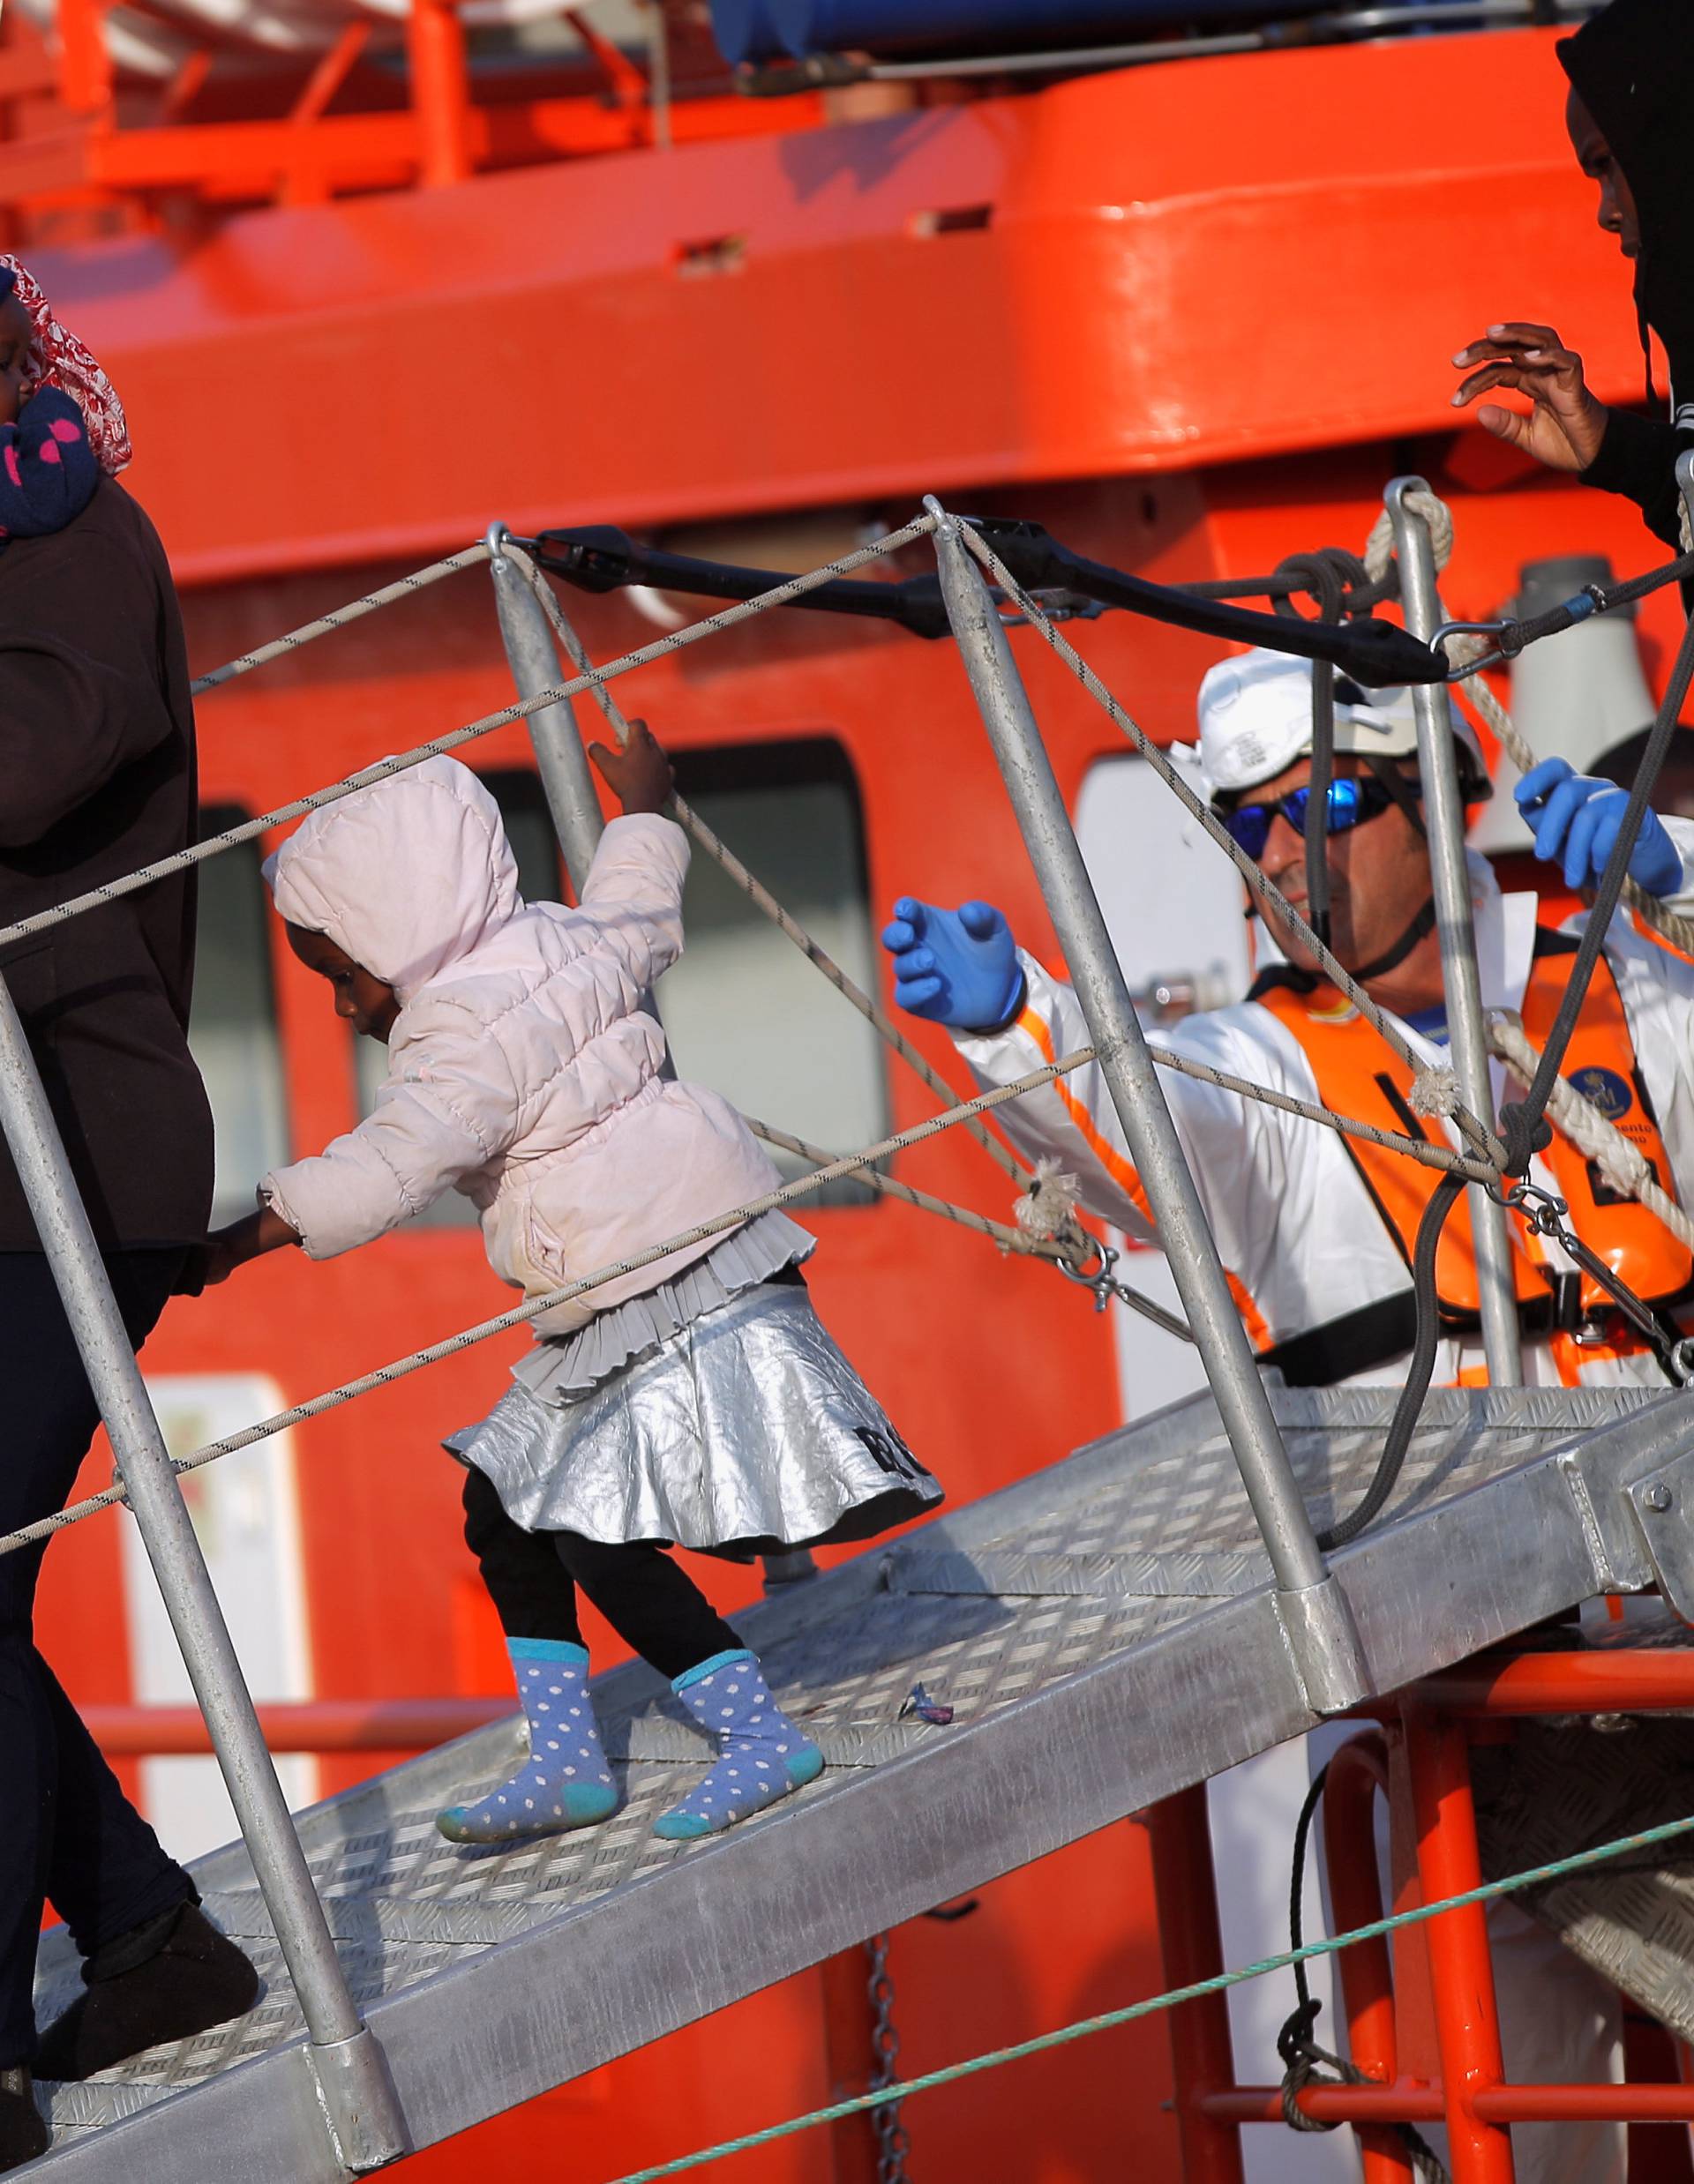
(1186, 1894)
(1358, 1772)
(1563, 1683)
(315, 156)
(435, 40)
(1422, 2104)
(1467, 2019)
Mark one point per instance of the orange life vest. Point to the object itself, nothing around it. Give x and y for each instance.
(1358, 1075)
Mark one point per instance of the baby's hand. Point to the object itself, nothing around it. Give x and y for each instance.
(640, 774)
(225, 1249)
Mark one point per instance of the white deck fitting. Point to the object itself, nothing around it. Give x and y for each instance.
(1107, 1633)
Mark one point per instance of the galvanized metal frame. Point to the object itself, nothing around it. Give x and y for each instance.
(1479, 1545)
(1314, 1612)
(1444, 812)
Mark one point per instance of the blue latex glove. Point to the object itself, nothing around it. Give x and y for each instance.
(955, 967)
(1575, 821)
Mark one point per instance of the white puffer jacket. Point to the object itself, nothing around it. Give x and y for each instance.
(523, 1070)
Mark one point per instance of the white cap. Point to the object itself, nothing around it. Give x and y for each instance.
(1256, 721)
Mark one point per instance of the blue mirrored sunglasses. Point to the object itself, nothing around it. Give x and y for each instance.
(1349, 804)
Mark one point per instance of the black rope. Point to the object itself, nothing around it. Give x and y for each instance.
(1404, 1423)
(1521, 1126)
(1305, 2063)
(1323, 580)
(1591, 600)
(1361, 594)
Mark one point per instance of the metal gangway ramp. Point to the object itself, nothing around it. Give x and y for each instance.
(1107, 1633)
(1168, 1602)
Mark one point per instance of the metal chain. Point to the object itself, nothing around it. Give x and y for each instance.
(893, 2143)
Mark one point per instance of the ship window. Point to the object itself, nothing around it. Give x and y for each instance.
(744, 1011)
(232, 1027)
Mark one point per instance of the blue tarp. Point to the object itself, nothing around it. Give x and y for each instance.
(762, 30)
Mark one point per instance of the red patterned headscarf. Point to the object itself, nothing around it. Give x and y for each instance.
(56, 358)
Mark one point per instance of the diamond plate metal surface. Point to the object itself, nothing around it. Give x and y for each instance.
(1136, 1545)
(1562, 1786)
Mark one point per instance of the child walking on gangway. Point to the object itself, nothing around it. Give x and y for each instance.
(697, 1401)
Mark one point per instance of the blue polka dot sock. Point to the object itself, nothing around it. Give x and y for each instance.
(762, 1755)
(565, 1783)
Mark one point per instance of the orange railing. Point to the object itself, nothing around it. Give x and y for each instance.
(76, 136)
(1426, 2032)
(311, 1725)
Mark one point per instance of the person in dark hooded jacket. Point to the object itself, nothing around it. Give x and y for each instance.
(1631, 71)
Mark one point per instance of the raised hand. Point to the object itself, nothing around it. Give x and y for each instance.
(640, 774)
(954, 967)
(1566, 425)
(1575, 821)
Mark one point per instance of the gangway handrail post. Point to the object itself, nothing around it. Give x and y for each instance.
(567, 783)
(1443, 811)
(1313, 1608)
(356, 2095)
(566, 779)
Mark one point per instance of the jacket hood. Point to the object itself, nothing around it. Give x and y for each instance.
(1633, 68)
(405, 877)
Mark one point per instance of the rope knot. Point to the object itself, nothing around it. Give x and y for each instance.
(1301, 2060)
(1048, 1207)
(1523, 1136)
(1435, 1091)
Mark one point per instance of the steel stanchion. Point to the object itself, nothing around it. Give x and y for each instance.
(1313, 1609)
(1443, 811)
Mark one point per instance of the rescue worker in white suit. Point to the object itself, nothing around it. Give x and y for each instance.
(1316, 1230)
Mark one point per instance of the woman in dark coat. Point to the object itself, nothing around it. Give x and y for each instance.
(1631, 71)
(97, 776)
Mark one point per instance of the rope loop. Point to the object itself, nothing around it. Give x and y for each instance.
(1337, 579)
(1305, 2064)
(1379, 547)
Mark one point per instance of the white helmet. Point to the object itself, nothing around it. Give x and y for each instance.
(1256, 722)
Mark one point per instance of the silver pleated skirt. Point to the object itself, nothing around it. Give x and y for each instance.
(731, 1423)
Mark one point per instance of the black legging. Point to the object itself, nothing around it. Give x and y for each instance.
(69, 1832)
(532, 1578)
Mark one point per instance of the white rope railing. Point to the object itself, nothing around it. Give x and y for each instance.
(1262, 884)
(385, 769)
(756, 892)
(1579, 1120)
(520, 1315)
